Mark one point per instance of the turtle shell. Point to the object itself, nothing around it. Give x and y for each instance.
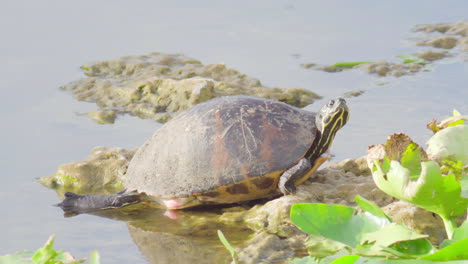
(225, 150)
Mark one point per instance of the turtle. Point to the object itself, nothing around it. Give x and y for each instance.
(226, 150)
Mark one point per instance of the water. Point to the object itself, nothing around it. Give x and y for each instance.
(44, 43)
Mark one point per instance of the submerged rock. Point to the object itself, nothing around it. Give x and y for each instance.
(353, 93)
(103, 116)
(432, 55)
(452, 35)
(385, 68)
(264, 247)
(157, 86)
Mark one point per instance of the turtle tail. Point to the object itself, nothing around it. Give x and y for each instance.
(74, 204)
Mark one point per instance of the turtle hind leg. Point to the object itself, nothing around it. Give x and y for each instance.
(79, 204)
(289, 178)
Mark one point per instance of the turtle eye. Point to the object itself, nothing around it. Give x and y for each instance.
(331, 103)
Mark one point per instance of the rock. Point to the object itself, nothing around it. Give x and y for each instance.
(103, 116)
(384, 68)
(269, 248)
(431, 55)
(356, 166)
(442, 42)
(353, 93)
(101, 172)
(453, 35)
(417, 219)
(458, 28)
(157, 86)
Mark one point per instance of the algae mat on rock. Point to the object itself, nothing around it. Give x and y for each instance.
(157, 86)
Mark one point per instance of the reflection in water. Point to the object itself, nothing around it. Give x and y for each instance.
(191, 238)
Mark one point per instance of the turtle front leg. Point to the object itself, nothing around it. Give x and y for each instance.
(287, 182)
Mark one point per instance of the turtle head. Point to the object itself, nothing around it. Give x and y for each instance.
(332, 116)
(328, 121)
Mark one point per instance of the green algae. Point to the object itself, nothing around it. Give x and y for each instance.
(157, 86)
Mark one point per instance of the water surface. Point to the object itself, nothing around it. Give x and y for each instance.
(45, 42)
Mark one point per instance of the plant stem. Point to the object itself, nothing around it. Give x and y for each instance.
(449, 226)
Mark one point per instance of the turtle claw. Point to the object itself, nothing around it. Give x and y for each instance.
(287, 188)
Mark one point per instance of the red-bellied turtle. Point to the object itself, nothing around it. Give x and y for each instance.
(226, 150)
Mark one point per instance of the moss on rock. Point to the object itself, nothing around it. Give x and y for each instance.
(157, 86)
(101, 172)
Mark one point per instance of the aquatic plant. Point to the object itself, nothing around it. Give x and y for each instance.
(47, 255)
(435, 180)
(229, 247)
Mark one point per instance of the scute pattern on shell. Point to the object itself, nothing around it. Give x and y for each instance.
(221, 142)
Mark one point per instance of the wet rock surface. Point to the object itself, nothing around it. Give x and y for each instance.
(157, 86)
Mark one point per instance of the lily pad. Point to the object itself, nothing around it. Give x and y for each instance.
(431, 191)
(336, 222)
(348, 65)
(450, 143)
(455, 251)
(371, 207)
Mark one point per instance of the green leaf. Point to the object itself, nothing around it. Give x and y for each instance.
(450, 143)
(46, 253)
(371, 207)
(228, 246)
(464, 186)
(412, 248)
(350, 259)
(349, 64)
(94, 258)
(391, 234)
(431, 191)
(336, 222)
(407, 59)
(304, 260)
(396, 239)
(321, 247)
(457, 123)
(455, 251)
(22, 257)
(411, 159)
(85, 68)
(412, 261)
(461, 232)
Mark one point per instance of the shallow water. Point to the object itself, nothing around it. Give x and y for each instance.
(44, 43)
